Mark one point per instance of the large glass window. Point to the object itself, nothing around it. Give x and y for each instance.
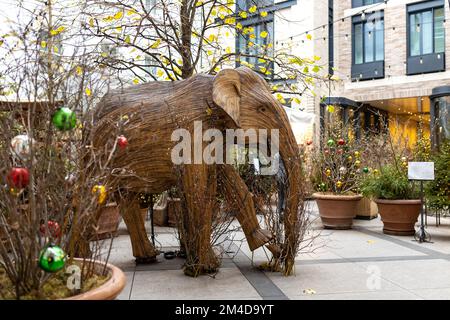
(368, 41)
(426, 32)
(253, 43)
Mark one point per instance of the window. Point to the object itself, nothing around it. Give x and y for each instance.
(426, 32)
(360, 3)
(254, 48)
(368, 41)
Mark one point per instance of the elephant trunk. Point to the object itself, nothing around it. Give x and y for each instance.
(290, 154)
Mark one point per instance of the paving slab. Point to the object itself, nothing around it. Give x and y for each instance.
(228, 283)
(329, 279)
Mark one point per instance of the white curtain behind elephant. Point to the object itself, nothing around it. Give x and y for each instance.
(302, 124)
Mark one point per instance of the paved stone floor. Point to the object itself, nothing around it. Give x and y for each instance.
(362, 263)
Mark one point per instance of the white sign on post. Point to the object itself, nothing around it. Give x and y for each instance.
(421, 171)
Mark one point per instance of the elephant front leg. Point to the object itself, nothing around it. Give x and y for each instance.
(236, 192)
(199, 194)
(143, 249)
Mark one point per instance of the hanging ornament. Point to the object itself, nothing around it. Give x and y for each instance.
(122, 141)
(375, 171)
(322, 187)
(340, 151)
(328, 172)
(20, 146)
(51, 258)
(330, 142)
(18, 178)
(64, 119)
(339, 184)
(54, 229)
(309, 142)
(366, 170)
(350, 158)
(405, 164)
(357, 163)
(404, 159)
(343, 170)
(101, 192)
(341, 142)
(357, 154)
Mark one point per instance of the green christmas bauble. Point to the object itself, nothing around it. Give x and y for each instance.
(366, 170)
(64, 119)
(52, 258)
(322, 187)
(330, 142)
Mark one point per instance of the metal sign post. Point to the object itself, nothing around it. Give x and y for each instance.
(421, 171)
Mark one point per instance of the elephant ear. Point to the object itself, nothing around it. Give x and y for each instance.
(227, 93)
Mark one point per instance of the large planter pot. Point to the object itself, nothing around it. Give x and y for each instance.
(399, 216)
(337, 211)
(107, 291)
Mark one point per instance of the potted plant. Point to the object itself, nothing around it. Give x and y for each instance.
(338, 167)
(396, 198)
(438, 191)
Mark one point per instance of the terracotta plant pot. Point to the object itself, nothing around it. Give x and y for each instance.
(107, 291)
(399, 216)
(337, 211)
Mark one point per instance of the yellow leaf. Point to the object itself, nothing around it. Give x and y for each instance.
(135, 80)
(309, 37)
(230, 20)
(261, 60)
(264, 34)
(370, 241)
(61, 29)
(296, 100)
(264, 14)
(228, 50)
(43, 44)
(243, 15)
(79, 70)
(213, 12)
(209, 52)
(335, 78)
(252, 9)
(280, 98)
(104, 54)
(239, 26)
(127, 39)
(91, 22)
(330, 109)
(252, 36)
(130, 12)
(118, 15)
(208, 111)
(88, 92)
(159, 73)
(156, 44)
(317, 58)
(250, 44)
(55, 49)
(198, 3)
(211, 37)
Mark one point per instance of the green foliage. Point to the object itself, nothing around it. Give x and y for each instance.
(438, 191)
(391, 183)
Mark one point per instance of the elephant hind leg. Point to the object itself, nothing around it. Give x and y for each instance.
(237, 194)
(143, 249)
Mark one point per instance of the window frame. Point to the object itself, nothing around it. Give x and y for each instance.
(356, 20)
(422, 9)
(361, 3)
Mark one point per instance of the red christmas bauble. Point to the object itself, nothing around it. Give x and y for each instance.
(18, 177)
(341, 142)
(309, 142)
(122, 141)
(55, 230)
